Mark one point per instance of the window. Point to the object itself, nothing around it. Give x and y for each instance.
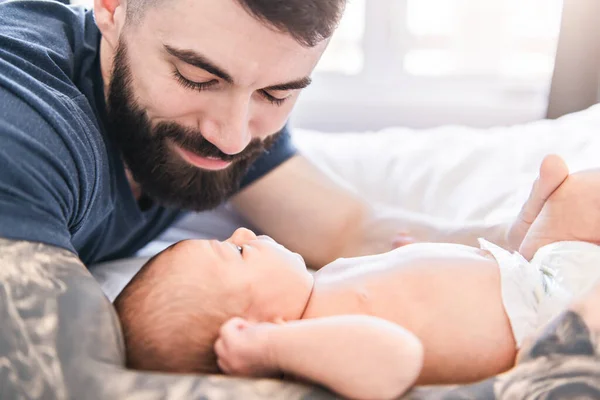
(509, 39)
(477, 62)
(345, 53)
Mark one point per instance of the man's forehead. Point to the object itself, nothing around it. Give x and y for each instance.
(228, 35)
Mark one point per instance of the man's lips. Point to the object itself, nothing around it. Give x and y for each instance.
(208, 163)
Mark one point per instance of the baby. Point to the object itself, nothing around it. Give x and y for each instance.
(367, 327)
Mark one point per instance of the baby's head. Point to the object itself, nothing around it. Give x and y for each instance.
(172, 310)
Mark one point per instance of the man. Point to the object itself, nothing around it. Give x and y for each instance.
(113, 123)
(110, 131)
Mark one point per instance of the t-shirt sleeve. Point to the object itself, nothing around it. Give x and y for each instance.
(282, 150)
(38, 176)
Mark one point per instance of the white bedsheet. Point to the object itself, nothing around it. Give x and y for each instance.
(457, 174)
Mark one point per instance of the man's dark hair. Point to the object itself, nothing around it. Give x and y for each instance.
(307, 21)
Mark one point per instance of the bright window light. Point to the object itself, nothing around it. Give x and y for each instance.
(345, 52)
(432, 17)
(506, 39)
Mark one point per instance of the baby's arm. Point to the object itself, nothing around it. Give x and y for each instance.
(359, 357)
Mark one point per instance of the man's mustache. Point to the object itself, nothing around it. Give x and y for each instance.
(193, 141)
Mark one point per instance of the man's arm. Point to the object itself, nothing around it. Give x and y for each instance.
(60, 338)
(424, 228)
(308, 212)
(359, 357)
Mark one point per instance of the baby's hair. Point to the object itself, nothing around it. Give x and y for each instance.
(170, 323)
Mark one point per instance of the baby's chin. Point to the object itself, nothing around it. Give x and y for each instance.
(298, 299)
(308, 295)
(291, 306)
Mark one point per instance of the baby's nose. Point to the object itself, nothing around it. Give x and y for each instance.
(242, 236)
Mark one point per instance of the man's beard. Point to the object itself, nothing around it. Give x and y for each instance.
(161, 173)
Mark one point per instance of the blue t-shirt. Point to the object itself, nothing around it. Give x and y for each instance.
(61, 179)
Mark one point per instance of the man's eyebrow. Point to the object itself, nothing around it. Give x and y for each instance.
(199, 61)
(293, 85)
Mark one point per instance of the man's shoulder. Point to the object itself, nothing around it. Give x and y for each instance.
(56, 168)
(41, 44)
(43, 23)
(55, 154)
(53, 136)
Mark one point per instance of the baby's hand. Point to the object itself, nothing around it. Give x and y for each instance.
(243, 349)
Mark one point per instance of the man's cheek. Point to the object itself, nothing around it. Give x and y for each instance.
(174, 108)
(161, 97)
(267, 125)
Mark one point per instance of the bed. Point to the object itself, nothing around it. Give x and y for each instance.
(457, 176)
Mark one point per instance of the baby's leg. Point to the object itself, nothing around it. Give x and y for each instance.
(553, 173)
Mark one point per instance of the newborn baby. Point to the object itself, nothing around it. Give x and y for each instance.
(366, 327)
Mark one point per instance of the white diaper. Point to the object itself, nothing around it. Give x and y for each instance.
(535, 292)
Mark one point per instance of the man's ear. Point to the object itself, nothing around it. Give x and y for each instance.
(110, 18)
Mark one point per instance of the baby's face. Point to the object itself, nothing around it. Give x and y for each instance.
(273, 280)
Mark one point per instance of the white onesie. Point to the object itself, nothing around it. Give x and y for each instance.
(535, 292)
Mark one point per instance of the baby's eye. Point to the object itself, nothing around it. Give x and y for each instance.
(240, 249)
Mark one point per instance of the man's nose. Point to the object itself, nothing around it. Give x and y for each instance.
(228, 129)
